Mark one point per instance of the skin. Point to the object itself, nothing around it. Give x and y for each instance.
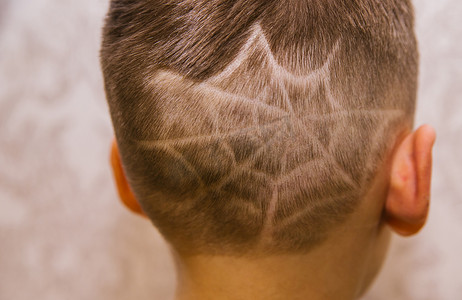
(342, 267)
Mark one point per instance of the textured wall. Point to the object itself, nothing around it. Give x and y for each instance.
(62, 233)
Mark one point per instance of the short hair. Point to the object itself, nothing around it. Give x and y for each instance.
(256, 126)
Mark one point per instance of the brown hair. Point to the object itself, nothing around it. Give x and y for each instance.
(256, 125)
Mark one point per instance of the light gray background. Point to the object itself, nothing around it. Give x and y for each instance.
(63, 235)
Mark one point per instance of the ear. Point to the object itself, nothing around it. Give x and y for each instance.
(125, 192)
(408, 198)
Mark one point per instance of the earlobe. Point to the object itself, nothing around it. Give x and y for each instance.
(125, 193)
(408, 198)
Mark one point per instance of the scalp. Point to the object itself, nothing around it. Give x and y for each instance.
(242, 130)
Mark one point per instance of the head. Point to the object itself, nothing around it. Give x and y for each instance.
(264, 128)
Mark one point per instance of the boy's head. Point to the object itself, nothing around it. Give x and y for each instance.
(253, 128)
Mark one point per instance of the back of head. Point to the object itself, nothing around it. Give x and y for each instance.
(256, 126)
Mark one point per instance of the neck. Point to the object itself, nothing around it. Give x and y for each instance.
(266, 278)
(327, 272)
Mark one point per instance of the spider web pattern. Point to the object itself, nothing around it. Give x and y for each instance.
(265, 144)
